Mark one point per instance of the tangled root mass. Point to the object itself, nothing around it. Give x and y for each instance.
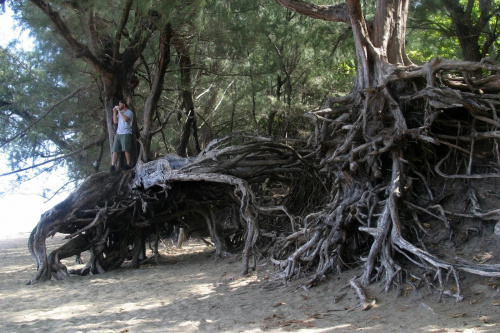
(394, 179)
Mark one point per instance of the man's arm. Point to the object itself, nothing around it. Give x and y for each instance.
(115, 119)
(117, 113)
(123, 116)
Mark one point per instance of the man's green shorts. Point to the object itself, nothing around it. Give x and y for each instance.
(123, 142)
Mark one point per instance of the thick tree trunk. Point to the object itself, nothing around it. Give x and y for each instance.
(103, 51)
(155, 93)
(468, 31)
(187, 97)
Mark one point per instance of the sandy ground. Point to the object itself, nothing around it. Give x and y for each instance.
(190, 292)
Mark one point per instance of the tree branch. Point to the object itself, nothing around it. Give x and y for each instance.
(41, 117)
(119, 32)
(337, 13)
(62, 29)
(95, 143)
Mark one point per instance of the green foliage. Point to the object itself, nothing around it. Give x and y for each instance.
(38, 121)
(430, 33)
(238, 50)
(433, 32)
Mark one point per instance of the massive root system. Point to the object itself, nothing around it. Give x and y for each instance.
(388, 178)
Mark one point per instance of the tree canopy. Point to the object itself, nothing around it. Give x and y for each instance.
(244, 56)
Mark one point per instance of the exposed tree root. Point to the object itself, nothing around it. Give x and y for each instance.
(387, 159)
(386, 171)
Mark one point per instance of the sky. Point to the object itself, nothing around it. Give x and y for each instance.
(20, 208)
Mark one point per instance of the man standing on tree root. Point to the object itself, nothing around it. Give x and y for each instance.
(123, 139)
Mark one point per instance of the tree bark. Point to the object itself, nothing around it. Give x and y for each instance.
(155, 93)
(187, 96)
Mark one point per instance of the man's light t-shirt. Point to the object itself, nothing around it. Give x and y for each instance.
(125, 127)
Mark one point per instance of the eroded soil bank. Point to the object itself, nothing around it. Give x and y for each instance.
(190, 292)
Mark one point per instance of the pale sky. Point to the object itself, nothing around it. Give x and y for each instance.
(9, 32)
(20, 209)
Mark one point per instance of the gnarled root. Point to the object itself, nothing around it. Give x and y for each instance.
(393, 151)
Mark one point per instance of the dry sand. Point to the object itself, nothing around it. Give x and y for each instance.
(190, 292)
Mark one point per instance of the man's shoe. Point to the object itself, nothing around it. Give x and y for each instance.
(126, 167)
(112, 168)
